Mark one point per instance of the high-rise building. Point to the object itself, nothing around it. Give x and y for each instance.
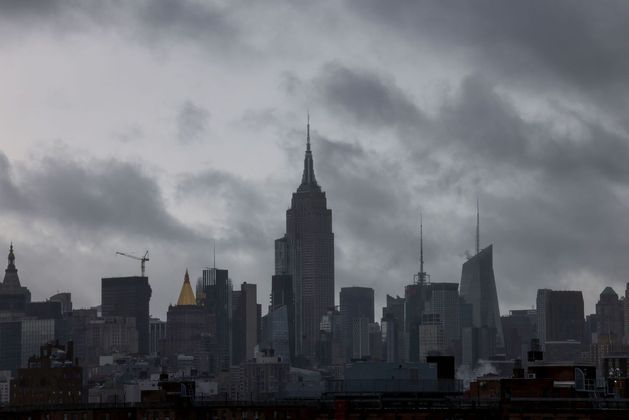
(244, 323)
(519, 328)
(432, 338)
(188, 327)
(360, 338)
(393, 330)
(217, 299)
(355, 303)
(444, 301)
(560, 315)
(65, 299)
(478, 288)
(610, 316)
(157, 332)
(309, 257)
(128, 297)
(109, 335)
(14, 298)
(10, 345)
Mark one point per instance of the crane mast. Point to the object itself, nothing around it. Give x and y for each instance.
(142, 260)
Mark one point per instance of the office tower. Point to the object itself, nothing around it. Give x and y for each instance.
(355, 303)
(478, 288)
(444, 300)
(65, 299)
(282, 297)
(217, 290)
(308, 256)
(393, 329)
(360, 338)
(559, 315)
(610, 316)
(244, 323)
(128, 297)
(519, 328)
(275, 332)
(13, 296)
(432, 338)
(188, 327)
(44, 310)
(375, 342)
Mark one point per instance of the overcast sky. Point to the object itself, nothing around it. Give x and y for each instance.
(165, 124)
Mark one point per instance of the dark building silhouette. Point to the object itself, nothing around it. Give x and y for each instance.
(610, 316)
(307, 253)
(244, 323)
(128, 297)
(10, 345)
(519, 328)
(356, 303)
(44, 310)
(394, 343)
(282, 296)
(14, 298)
(188, 330)
(216, 288)
(65, 298)
(478, 288)
(559, 315)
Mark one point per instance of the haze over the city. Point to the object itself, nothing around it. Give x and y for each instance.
(166, 125)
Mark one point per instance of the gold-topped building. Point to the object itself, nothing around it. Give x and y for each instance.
(186, 296)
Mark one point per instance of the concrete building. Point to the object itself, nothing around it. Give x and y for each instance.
(128, 297)
(309, 257)
(432, 337)
(444, 300)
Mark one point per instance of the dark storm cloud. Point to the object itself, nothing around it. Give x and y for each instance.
(365, 97)
(549, 197)
(149, 20)
(579, 41)
(93, 196)
(192, 122)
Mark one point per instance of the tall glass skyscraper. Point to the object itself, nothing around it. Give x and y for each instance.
(307, 253)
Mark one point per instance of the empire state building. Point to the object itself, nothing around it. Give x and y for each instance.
(306, 253)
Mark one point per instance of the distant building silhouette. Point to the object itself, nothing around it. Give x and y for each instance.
(519, 328)
(306, 252)
(244, 323)
(14, 298)
(560, 315)
(356, 303)
(128, 297)
(610, 316)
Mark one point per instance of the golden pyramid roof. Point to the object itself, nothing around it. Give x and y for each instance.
(186, 296)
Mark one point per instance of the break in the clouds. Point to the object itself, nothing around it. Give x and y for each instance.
(183, 124)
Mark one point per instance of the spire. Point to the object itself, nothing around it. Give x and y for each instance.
(477, 227)
(11, 278)
(186, 296)
(421, 277)
(308, 180)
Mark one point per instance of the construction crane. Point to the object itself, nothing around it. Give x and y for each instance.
(142, 260)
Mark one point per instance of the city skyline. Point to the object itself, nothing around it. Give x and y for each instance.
(145, 127)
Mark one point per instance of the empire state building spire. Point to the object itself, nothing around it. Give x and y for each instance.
(308, 180)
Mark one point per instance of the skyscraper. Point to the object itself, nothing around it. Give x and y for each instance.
(478, 288)
(217, 299)
(308, 255)
(128, 297)
(355, 303)
(244, 323)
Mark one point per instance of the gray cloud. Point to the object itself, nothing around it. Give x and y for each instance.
(192, 122)
(93, 196)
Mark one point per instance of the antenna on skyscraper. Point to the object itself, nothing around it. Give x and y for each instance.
(477, 227)
(421, 243)
(308, 133)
